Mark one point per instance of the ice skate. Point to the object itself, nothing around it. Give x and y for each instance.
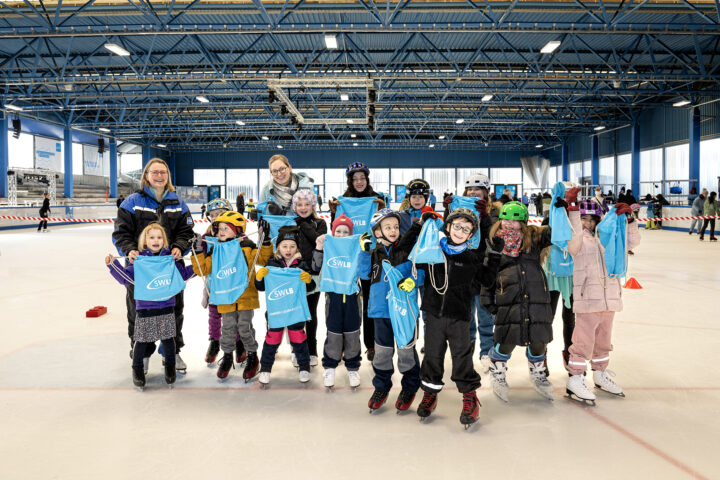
(304, 375)
(538, 375)
(404, 401)
(240, 353)
(146, 365)
(329, 378)
(138, 378)
(605, 383)
(470, 410)
(485, 364)
(170, 376)
(180, 365)
(251, 366)
(499, 383)
(264, 380)
(427, 405)
(313, 360)
(293, 360)
(377, 400)
(577, 390)
(354, 379)
(225, 365)
(212, 352)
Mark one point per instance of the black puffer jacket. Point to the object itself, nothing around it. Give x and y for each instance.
(310, 229)
(523, 313)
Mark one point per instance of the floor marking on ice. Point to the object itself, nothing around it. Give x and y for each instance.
(677, 463)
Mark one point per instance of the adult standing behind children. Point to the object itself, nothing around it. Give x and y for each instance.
(156, 201)
(283, 185)
(698, 207)
(44, 212)
(240, 203)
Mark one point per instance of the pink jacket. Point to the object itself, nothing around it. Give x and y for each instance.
(593, 291)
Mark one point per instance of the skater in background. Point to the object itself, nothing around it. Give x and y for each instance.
(524, 317)
(240, 203)
(447, 311)
(120, 199)
(155, 202)
(431, 199)
(698, 207)
(287, 255)
(311, 227)
(597, 296)
(154, 320)
(342, 317)
(236, 317)
(710, 209)
(202, 211)
(44, 212)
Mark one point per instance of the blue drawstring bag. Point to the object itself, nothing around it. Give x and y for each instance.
(340, 263)
(229, 276)
(403, 308)
(261, 207)
(276, 222)
(157, 278)
(427, 248)
(613, 237)
(285, 297)
(469, 203)
(561, 262)
(360, 211)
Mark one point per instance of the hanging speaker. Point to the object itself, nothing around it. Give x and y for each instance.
(17, 127)
(101, 146)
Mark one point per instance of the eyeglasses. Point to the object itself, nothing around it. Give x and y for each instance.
(458, 228)
(158, 173)
(278, 171)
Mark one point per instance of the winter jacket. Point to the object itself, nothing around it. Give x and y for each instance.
(240, 203)
(122, 274)
(698, 206)
(710, 208)
(310, 229)
(466, 273)
(522, 298)
(141, 209)
(406, 219)
(202, 264)
(280, 263)
(593, 291)
(267, 193)
(45, 209)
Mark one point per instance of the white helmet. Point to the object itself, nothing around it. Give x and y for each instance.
(478, 180)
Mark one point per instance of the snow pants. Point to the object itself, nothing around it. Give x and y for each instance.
(343, 331)
(408, 361)
(591, 341)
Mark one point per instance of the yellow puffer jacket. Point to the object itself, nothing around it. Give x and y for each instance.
(202, 265)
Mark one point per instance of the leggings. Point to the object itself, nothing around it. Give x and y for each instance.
(707, 221)
(536, 349)
(311, 325)
(568, 317)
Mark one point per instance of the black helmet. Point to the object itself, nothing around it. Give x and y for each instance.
(418, 187)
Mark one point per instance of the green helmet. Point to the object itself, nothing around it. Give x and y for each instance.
(514, 211)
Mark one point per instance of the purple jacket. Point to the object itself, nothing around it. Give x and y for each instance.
(124, 274)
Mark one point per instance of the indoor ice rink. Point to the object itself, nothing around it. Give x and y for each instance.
(482, 111)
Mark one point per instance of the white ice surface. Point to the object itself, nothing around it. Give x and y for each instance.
(68, 408)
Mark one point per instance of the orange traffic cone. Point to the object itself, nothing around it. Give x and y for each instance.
(632, 284)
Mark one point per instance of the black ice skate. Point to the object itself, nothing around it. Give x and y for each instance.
(212, 352)
(240, 353)
(427, 405)
(225, 365)
(470, 410)
(404, 401)
(170, 375)
(251, 366)
(377, 400)
(138, 376)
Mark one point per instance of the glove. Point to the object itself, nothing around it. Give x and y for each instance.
(253, 215)
(621, 208)
(306, 277)
(571, 199)
(262, 273)
(560, 203)
(274, 208)
(406, 285)
(495, 247)
(263, 225)
(365, 242)
(447, 201)
(197, 244)
(429, 215)
(380, 203)
(481, 207)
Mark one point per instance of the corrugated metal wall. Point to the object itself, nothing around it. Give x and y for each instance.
(710, 120)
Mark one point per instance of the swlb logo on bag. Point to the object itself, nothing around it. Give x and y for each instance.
(157, 278)
(161, 281)
(226, 271)
(399, 307)
(359, 221)
(339, 262)
(280, 291)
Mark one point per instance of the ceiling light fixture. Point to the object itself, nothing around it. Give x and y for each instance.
(352, 135)
(265, 137)
(14, 107)
(681, 103)
(441, 137)
(103, 129)
(202, 99)
(162, 145)
(432, 145)
(240, 122)
(487, 98)
(331, 42)
(350, 120)
(280, 147)
(550, 47)
(599, 127)
(344, 97)
(355, 144)
(117, 49)
(459, 121)
(539, 146)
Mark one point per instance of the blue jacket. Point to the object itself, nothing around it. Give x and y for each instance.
(406, 219)
(141, 209)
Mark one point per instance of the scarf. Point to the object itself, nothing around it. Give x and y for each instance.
(283, 194)
(452, 249)
(513, 241)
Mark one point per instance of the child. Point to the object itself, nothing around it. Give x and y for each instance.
(385, 225)
(596, 296)
(154, 320)
(416, 198)
(524, 316)
(447, 314)
(311, 227)
(342, 318)
(286, 255)
(237, 316)
(216, 208)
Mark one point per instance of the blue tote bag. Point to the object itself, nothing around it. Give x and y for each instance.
(360, 211)
(285, 297)
(340, 263)
(276, 222)
(427, 248)
(229, 276)
(157, 278)
(613, 237)
(403, 308)
(469, 203)
(561, 262)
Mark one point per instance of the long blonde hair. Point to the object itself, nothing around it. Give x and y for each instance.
(142, 239)
(144, 183)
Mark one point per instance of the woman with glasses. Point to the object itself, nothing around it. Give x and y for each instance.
(280, 190)
(155, 202)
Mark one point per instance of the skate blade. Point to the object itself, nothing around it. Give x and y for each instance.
(621, 394)
(330, 389)
(211, 364)
(264, 386)
(504, 398)
(171, 386)
(355, 389)
(140, 389)
(182, 372)
(546, 395)
(468, 426)
(582, 401)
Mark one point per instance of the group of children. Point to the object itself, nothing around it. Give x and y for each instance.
(501, 282)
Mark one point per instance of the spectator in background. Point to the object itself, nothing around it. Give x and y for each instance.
(525, 199)
(432, 200)
(546, 200)
(710, 209)
(44, 213)
(698, 207)
(319, 202)
(120, 199)
(240, 203)
(658, 208)
(203, 208)
(610, 198)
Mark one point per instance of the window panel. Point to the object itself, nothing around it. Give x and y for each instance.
(677, 167)
(709, 164)
(624, 172)
(607, 173)
(440, 180)
(242, 180)
(20, 151)
(77, 159)
(209, 176)
(651, 171)
(463, 173)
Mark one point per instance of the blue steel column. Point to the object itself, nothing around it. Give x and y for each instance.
(145, 155)
(635, 155)
(4, 147)
(565, 161)
(595, 160)
(67, 150)
(171, 164)
(694, 133)
(113, 169)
